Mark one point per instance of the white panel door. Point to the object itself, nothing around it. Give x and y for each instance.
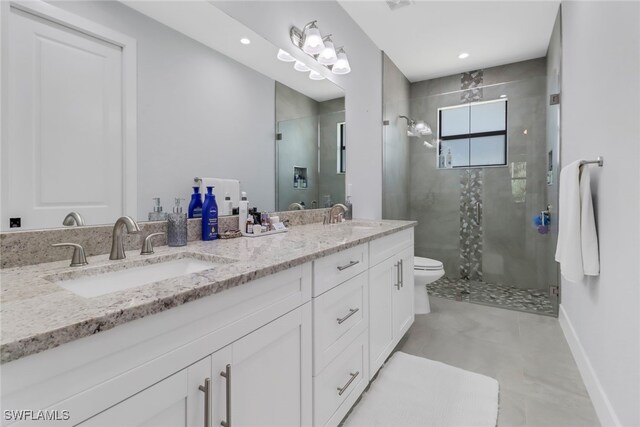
(271, 373)
(173, 402)
(383, 283)
(403, 308)
(64, 150)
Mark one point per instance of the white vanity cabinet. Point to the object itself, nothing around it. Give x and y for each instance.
(263, 379)
(391, 289)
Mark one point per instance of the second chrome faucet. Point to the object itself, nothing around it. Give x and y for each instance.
(117, 242)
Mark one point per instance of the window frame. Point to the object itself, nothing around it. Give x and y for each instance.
(341, 136)
(474, 135)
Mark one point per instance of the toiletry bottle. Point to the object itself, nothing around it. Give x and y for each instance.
(195, 206)
(209, 216)
(228, 204)
(177, 226)
(157, 214)
(349, 213)
(249, 225)
(244, 212)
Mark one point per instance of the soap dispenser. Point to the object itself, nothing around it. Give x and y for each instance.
(195, 206)
(177, 226)
(228, 205)
(157, 214)
(210, 216)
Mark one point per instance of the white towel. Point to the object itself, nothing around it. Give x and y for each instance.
(577, 239)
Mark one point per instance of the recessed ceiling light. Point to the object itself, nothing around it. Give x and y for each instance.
(245, 40)
(463, 55)
(503, 96)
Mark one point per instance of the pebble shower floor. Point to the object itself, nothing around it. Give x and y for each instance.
(530, 300)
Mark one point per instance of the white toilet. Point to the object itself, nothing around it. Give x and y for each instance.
(425, 270)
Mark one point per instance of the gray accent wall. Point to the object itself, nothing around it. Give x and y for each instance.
(200, 113)
(506, 249)
(330, 180)
(395, 143)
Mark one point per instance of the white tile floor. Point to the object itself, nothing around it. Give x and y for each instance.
(539, 382)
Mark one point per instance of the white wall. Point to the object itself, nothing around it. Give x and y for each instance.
(200, 113)
(601, 116)
(363, 86)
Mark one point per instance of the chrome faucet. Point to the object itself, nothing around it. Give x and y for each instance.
(335, 217)
(73, 218)
(117, 242)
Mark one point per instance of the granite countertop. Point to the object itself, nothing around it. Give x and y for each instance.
(37, 314)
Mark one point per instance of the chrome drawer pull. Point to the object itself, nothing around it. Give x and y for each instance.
(352, 311)
(206, 389)
(226, 374)
(351, 264)
(402, 273)
(346, 386)
(397, 284)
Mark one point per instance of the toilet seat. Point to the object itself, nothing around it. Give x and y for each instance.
(426, 264)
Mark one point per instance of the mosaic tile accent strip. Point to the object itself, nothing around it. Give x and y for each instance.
(470, 83)
(510, 297)
(471, 235)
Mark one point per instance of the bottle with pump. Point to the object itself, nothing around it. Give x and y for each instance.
(209, 216)
(157, 214)
(195, 206)
(228, 205)
(244, 212)
(177, 226)
(349, 213)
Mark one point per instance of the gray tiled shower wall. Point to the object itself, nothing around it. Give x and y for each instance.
(506, 247)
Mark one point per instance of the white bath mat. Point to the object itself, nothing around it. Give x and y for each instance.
(414, 391)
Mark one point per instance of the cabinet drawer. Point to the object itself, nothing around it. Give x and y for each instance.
(339, 316)
(339, 267)
(340, 384)
(387, 246)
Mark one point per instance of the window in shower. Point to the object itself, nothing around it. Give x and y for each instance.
(473, 135)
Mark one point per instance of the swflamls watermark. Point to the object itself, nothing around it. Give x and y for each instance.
(36, 415)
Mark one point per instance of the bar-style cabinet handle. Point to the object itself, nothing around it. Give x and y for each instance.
(351, 264)
(401, 273)
(226, 374)
(352, 311)
(346, 386)
(206, 388)
(397, 284)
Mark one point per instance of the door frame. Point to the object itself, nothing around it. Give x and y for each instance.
(129, 85)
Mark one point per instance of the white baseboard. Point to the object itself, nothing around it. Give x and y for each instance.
(604, 410)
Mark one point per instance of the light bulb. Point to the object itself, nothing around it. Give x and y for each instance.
(285, 56)
(420, 126)
(463, 55)
(312, 44)
(328, 55)
(342, 64)
(300, 66)
(314, 75)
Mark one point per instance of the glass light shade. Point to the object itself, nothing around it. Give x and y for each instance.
(420, 126)
(314, 75)
(300, 66)
(285, 56)
(328, 55)
(312, 44)
(342, 64)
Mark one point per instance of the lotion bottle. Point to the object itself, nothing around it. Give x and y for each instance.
(209, 216)
(244, 211)
(195, 206)
(177, 226)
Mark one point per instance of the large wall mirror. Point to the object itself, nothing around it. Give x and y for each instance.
(137, 101)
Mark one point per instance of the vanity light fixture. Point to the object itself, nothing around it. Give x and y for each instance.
(322, 49)
(301, 66)
(245, 41)
(463, 55)
(285, 56)
(328, 56)
(314, 75)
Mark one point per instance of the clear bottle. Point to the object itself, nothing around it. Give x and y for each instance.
(227, 205)
(243, 213)
(157, 214)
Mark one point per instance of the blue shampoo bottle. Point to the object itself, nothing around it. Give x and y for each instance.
(195, 206)
(209, 216)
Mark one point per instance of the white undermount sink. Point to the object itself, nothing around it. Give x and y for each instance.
(96, 284)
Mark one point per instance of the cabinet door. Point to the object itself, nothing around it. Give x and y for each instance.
(270, 376)
(403, 308)
(383, 283)
(174, 401)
